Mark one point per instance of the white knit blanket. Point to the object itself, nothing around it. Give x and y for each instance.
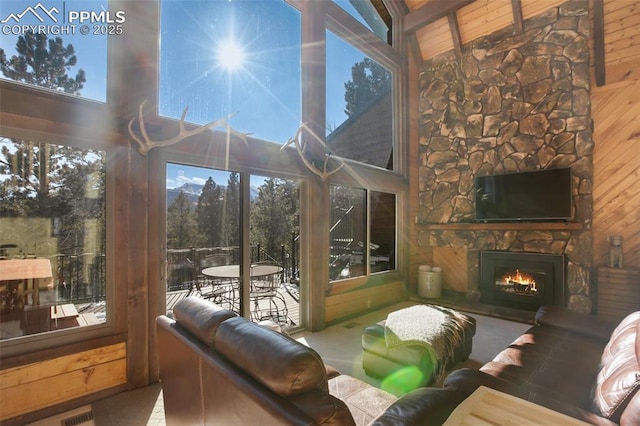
(438, 329)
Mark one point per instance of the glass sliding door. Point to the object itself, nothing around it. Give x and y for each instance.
(275, 250)
(205, 252)
(203, 235)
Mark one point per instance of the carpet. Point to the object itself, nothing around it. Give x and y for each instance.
(340, 345)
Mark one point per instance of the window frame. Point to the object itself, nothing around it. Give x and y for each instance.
(67, 120)
(56, 104)
(368, 177)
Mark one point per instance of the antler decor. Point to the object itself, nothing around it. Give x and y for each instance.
(311, 163)
(146, 144)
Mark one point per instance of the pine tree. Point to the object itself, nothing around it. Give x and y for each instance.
(182, 229)
(35, 166)
(209, 214)
(369, 81)
(43, 63)
(274, 216)
(231, 220)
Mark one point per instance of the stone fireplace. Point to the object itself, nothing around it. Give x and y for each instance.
(521, 280)
(507, 103)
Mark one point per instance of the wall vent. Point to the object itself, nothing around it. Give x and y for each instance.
(84, 419)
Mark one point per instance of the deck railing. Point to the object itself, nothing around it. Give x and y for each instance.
(79, 278)
(185, 265)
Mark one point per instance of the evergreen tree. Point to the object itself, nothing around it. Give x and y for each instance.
(209, 214)
(182, 229)
(274, 216)
(43, 63)
(369, 81)
(35, 167)
(231, 220)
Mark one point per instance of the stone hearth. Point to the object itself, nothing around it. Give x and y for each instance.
(510, 103)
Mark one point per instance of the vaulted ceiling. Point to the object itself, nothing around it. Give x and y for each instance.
(437, 26)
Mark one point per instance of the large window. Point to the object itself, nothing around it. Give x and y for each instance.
(239, 58)
(53, 241)
(205, 247)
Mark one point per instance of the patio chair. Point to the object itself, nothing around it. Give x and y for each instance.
(268, 301)
(221, 292)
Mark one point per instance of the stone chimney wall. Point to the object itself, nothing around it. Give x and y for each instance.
(510, 103)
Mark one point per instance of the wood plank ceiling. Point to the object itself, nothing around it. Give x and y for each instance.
(439, 26)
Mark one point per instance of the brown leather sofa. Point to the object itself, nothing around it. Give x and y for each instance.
(218, 368)
(573, 363)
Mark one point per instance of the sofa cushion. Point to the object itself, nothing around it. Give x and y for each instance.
(553, 361)
(619, 376)
(200, 317)
(283, 365)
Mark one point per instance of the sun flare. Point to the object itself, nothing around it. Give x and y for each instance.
(230, 55)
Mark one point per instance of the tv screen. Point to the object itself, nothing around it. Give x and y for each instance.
(525, 196)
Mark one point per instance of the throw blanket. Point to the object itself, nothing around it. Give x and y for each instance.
(439, 330)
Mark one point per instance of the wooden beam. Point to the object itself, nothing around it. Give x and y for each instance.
(431, 12)
(598, 41)
(518, 25)
(455, 32)
(414, 46)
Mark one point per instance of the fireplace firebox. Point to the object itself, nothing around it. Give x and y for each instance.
(522, 280)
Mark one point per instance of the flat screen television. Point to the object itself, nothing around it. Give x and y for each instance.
(541, 195)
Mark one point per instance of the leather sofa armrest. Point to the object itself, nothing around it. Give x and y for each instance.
(423, 406)
(588, 325)
(467, 380)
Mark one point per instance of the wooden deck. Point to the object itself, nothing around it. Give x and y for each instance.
(293, 307)
(173, 297)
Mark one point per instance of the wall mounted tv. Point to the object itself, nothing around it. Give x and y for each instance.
(541, 195)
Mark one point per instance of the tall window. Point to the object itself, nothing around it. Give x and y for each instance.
(239, 59)
(362, 74)
(52, 249)
(359, 105)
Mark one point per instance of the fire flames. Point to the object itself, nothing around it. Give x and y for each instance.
(521, 281)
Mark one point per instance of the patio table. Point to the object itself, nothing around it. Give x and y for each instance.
(233, 271)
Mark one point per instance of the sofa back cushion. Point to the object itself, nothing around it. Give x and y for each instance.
(283, 365)
(619, 376)
(200, 317)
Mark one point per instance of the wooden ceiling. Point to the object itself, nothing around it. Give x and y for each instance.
(442, 25)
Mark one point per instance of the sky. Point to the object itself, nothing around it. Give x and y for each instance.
(181, 174)
(218, 57)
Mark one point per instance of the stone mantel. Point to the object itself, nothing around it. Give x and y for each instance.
(547, 226)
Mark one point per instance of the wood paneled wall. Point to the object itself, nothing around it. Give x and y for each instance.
(344, 305)
(616, 182)
(615, 109)
(622, 40)
(39, 385)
